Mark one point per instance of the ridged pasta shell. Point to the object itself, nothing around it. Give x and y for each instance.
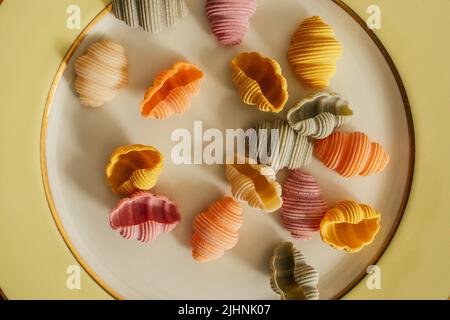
(351, 154)
(254, 184)
(292, 278)
(152, 15)
(260, 81)
(303, 206)
(350, 226)
(314, 52)
(279, 146)
(317, 116)
(144, 216)
(172, 91)
(230, 19)
(100, 73)
(216, 229)
(133, 168)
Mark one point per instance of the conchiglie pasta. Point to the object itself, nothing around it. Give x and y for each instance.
(303, 206)
(260, 81)
(314, 52)
(133, 168)
(229, 19)
(279, 146)
(101, 72)
(152, 15)
(216, 229)
(292, 278)
(144, 216)
(350, 226)
(351, 154)
(317, 116)
(255, 184)
(172, 91)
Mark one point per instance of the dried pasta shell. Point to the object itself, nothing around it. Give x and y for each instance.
(255, 184)
(279, 146)
(351, 154)
(172, 91)
(292, 278)
(317, 116)
(260, 81)
(144, 216)
(152, 15)
(100, 73)
(350, 226)
(303, 206)
(216, 229)
(133, 168)
(314, 52)
(230, 19)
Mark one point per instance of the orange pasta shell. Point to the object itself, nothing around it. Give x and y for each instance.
(216, 229)
(172, 91)
(351, 154)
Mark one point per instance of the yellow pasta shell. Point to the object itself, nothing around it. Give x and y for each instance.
(255, 184)
(133, 168)
(314, 52)
(260, 81)
(350, 226)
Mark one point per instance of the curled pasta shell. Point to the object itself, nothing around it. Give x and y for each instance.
(100, 73)
(351, 154)
(216, 229)
(230, 19)
(172, 91)
(317, 116)
(152, 15)
(144, 216)
(292, 278)
(279, 146)
(303, 206)
(132, 168)
(260, 81)
(314, 52)
(350, 226)
(255, 184)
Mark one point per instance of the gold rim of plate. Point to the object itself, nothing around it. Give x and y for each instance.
(49, 103)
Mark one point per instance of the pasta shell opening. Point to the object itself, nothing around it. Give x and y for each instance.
(350, 226)
(144, 216)
(260, 81)
(172, 91)
(267, 192)
(132, 168)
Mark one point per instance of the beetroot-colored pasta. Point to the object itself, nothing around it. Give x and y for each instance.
(303, 207)
(144, 216)
(230, 19)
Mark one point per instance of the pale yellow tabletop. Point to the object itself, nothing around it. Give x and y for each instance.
(34, 258)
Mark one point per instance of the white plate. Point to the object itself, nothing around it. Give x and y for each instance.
(79, 141)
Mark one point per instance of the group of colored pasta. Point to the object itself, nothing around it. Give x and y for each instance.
(310, 128)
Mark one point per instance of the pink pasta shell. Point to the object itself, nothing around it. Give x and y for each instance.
(303, 206)
(230, 19)
(144, 216)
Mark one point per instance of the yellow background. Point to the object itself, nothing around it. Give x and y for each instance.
(34, 258)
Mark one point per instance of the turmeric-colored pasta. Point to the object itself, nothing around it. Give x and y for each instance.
(350, 226)
(314, 52)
